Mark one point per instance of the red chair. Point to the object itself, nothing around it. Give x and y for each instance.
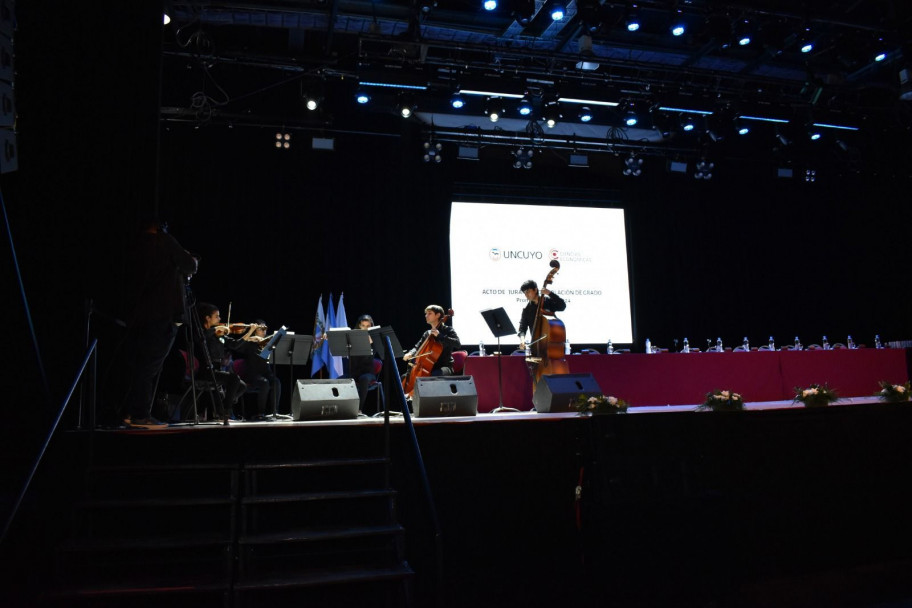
(459, 357)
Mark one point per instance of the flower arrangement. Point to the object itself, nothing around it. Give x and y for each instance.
(816, 395)
(603, 404)
(723, 401)
(895, 393)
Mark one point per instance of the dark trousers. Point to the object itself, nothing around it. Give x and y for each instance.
(234, 388)
(148, 346)
(268, 390)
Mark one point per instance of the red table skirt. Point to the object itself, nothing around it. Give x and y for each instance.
(681, 379)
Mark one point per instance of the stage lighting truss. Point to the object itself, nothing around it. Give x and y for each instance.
(704, 169)
(522, 158)
(633, 165)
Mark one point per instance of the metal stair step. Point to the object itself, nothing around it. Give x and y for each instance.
(302, 464)
(315, 496)
(320, 534)
(316, 578)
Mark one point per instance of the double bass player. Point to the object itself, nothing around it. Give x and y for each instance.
(551, 304)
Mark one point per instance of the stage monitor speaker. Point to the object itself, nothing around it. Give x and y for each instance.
(325, 400)
(445, 396)
(558, 393)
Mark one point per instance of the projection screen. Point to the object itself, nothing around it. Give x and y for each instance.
(495, 247)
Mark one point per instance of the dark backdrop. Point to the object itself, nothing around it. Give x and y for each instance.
(745, 253)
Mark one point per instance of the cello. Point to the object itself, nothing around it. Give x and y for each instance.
(425, 358)
(548, 337)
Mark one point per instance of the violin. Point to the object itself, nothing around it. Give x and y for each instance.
(425, 358)
(234, 328)
(548, 337)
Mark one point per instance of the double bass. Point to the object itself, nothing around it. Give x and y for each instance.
(548, 337)
(425, 358)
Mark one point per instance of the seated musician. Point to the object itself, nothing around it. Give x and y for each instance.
(552, 303)
(442, 333)
(361, 368)
(256, 371)
(219, 344)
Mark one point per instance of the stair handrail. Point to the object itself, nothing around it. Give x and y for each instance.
(91, 357)
(419, 459)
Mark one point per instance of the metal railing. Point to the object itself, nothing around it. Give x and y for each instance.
(90, 364)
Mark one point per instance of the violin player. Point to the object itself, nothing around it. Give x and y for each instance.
(551, 304)
(442, 333)
(220, 344)
(256, 371)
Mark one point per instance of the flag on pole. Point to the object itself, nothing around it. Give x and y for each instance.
(339, 320)
(319, 331)
(334, 372)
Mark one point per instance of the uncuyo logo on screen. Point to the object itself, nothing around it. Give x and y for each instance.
(494, 254)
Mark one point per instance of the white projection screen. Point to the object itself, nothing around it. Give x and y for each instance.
(495, 247)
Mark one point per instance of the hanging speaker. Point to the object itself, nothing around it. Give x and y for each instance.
(325, 400)
(558, 393)
(445, 396)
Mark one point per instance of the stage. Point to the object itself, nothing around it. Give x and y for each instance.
(681, 379)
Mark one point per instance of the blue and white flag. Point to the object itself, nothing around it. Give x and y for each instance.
(319, 331)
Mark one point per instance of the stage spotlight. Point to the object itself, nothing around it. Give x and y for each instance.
(630, 118)
(677, 29)
(428, 5)
(810, 175)
(362, 97)
(494, 109)
(741, 127)
(585, 114)
(283, 140)
(703, 169)
(522, 158)
(814, 134)
(432, 151)
(525, 106)
(489, 5)
(630, 20)
(406, 107)
(743, 32)
(457, 101)
(551, 114)
(633, 166)
(557, 11)
(785, 141)
(687, 123)
(880, 52)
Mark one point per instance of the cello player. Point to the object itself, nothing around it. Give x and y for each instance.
(444, 334)
(552, 303)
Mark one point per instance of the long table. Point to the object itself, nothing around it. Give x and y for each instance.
(681, 379)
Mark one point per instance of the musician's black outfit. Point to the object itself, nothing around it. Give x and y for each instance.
(552, 303)
(450, 342)
(220, 351)
(259, 376)
(159, 268)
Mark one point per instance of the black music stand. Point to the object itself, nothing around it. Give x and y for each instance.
(500, 325)
(349, 343)
(379, 335)
(293, 349)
